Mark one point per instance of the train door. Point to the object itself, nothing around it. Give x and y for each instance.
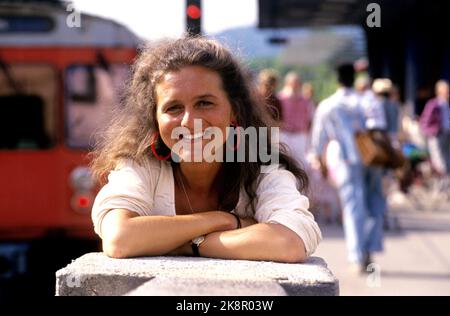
(29, 167)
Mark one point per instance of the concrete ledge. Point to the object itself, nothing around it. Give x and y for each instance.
(206, 287)
(96, 274)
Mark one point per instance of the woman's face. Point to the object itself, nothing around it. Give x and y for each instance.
(191, 93)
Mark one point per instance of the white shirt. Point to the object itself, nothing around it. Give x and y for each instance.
(149, 189)
(373, 110)
(338, 118)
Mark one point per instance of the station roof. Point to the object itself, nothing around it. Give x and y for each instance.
(302, 13)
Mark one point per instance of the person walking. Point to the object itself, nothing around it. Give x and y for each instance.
(435, 124)
(337, 120)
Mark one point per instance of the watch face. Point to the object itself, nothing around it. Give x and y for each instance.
(198, 240)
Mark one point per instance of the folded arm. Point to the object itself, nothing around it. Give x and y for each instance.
(126, 234)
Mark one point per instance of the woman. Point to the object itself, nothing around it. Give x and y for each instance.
(154, 204)
(268, 81)
(297, 116)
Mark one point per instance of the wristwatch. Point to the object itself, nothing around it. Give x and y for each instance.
(196, 242)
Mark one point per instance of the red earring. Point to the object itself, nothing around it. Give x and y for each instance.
(155, 136)
(236, 127)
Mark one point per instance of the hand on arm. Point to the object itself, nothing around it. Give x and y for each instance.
(186, 249)
(263, 241)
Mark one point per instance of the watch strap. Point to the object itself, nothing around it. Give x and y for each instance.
(195, 251)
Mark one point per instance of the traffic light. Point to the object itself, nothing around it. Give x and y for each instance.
(193, 17)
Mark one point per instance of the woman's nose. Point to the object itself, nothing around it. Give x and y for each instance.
(188, 119)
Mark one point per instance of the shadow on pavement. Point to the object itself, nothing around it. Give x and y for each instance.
(415, 275)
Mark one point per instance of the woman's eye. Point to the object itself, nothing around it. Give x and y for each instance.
(204, 103)
(173, 108)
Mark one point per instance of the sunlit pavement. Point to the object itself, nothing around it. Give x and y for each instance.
(416, 260)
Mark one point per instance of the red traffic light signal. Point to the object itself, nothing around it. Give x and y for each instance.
(193, 12)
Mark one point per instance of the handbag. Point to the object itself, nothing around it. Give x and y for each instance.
(376, 150)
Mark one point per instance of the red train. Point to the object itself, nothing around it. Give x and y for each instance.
(58, 84)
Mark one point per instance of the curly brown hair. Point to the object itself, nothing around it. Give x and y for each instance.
(130, 133)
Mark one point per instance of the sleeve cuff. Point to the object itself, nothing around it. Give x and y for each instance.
(307, 229)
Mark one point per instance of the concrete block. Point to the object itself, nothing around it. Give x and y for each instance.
(186, 286)
(96, 274)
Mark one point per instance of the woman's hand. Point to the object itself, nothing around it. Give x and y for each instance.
(186, 249)
(248, 221)
(262, 241)
(183, 250)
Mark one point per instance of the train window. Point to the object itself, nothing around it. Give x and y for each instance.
(25, 23)
(91, 94)
(81, 85)
(27, 105)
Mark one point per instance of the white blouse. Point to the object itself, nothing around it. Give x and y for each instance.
(149, 189)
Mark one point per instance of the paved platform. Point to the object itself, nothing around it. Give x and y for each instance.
(416, 260)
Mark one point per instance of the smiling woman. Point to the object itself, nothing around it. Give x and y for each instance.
(152, 204)
(189, 95)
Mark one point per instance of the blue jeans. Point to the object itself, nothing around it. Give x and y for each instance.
(363, 206)
(439, 148)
